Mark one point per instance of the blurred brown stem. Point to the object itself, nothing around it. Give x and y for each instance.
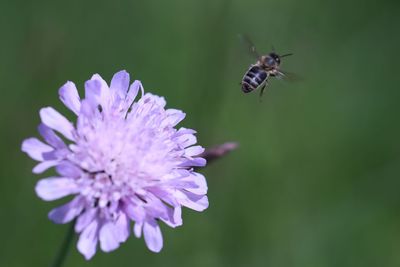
(218, 151)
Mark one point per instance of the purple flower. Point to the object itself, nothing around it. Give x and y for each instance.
(123, 161)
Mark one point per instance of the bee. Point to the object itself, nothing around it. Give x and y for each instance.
(266, 66)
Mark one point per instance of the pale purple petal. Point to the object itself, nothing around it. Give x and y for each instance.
(152, 236)
(45, 165)
(67, 212)
(173, 217)
(68, 169)
(50, 137)
(194, 151)
(113, 233)
(55, 188)
(93, 93)
(134, 212)
(88, 240)
(177, 216)
(174, 116)
(104, 90)
(192, 201)
(108, 236)
(137, 229)
(120, 83)
(165, 194)
(198, 184)
(132, 93)
(35, 148)
(159, 100)
(123, 225)
(183, 130)
(185, 140)
(85, 219)
(155, 207)
(58, 122)
(70, 97)
(88, 112)
(196, 162)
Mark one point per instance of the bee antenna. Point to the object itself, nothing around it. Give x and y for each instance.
(273, 48)
(286, 55)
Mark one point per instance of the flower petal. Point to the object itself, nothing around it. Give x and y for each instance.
(56, 187)
(70, 97)
(194, 151)
(87, 112)
(134, 212)
(183, 131)
(159, 100)
(113, 233)
(174, 116)
(58, 122)
(123, 225)
(173, 216)
(152, 236)
(137, 229)
(93, 92)
(104, 91)
(120, 83)
(177, 216)
(35, 148)
(195, 183)
(50, 137)
(68, 169)
(196, 162)
(85, 219)
(88, 240)
(192, 201)
(43, 166)
(108, 237)
(185, 140)
(132, 93)
(67, 212)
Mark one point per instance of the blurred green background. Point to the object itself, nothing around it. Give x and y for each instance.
(315, 181)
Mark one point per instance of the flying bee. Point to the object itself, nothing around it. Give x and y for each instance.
(257, 75)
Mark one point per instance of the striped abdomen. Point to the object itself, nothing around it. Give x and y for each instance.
(253, 78)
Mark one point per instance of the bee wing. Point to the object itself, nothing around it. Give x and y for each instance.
(288, 76)
(246, 41)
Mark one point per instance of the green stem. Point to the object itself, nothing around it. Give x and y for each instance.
(65, 247)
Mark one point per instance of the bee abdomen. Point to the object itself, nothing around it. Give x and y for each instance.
(253, 78)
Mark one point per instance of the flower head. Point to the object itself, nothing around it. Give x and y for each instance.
(122, 161)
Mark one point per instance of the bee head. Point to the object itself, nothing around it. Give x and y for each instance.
(272, 60)
(275, 57)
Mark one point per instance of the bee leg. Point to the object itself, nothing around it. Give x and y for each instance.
(262, 89)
